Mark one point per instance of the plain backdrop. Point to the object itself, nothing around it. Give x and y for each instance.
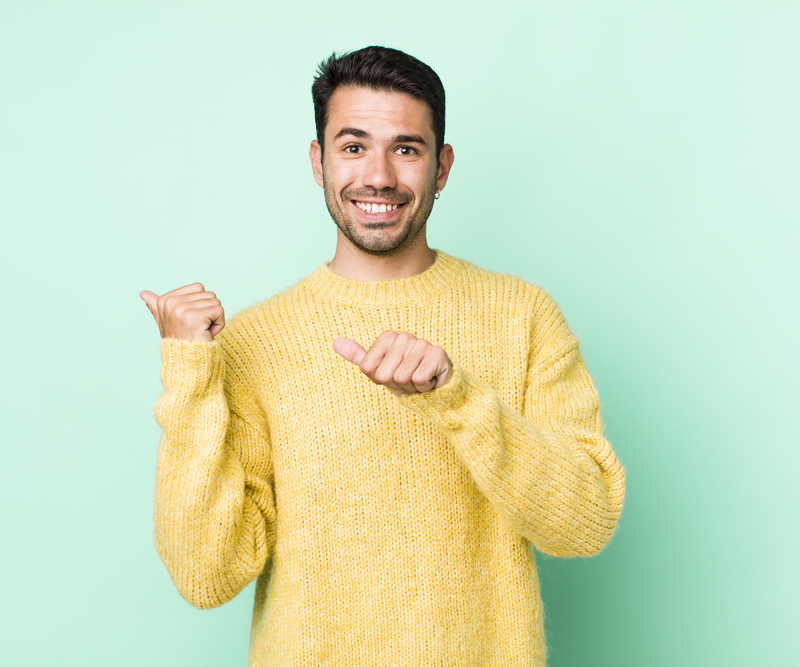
(639, 160)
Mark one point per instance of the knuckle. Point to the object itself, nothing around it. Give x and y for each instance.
(381, 376)
(420, 376)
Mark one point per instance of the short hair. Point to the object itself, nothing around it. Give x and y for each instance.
(379, 68)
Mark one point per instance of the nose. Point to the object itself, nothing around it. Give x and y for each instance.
(378, 172)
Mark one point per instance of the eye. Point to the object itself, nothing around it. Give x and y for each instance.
(406, 151)
(352, 149)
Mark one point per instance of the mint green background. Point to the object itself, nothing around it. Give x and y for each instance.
(640, 160)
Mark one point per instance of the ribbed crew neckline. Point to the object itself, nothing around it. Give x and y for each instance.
(385, 293)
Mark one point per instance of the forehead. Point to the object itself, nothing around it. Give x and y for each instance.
(377, 111)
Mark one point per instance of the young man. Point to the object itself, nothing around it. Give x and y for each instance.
(384, 497)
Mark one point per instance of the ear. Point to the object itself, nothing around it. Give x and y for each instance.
(315, 155)
(446, 158)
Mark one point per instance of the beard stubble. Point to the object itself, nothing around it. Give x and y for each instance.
(376, 243)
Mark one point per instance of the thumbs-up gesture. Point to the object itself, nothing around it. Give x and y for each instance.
(187, 313)
(401, 362)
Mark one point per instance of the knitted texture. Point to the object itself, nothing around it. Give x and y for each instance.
(383, 531)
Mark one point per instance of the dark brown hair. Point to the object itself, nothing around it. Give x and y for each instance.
(379, 68)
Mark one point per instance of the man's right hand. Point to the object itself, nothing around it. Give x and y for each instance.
(187, 313)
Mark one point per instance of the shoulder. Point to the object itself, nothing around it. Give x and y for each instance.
(528, 304)
(254, 328)
(504, 288)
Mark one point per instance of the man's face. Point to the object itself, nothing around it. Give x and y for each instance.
(379, 169)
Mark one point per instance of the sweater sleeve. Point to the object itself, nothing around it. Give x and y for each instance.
(214, 503)
(549, 471)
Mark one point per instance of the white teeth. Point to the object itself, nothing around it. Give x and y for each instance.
(376, 208)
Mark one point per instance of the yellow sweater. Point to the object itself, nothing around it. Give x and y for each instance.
(384, 531)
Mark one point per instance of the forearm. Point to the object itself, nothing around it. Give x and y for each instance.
(561, 488)
(212, 518)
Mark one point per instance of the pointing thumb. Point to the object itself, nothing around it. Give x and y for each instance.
(349, 350)
(151, 301)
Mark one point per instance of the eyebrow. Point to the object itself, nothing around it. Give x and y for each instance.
(410, 139)
(354, 131)
(399, 139)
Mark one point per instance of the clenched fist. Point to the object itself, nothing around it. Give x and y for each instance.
(187, 313)
(401, 362)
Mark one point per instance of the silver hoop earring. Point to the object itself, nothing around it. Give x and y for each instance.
(437, 195)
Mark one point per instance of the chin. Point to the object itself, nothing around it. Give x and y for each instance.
(383, 246)
(378, 246)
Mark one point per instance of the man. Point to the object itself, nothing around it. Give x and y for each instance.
(384, 497)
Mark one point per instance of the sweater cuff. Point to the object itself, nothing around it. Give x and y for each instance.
(451, 396)
(190, 366)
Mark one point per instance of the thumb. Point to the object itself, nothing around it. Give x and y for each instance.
(349, 350)
(151, 301)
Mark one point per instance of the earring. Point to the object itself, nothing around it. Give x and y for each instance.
(437, 195)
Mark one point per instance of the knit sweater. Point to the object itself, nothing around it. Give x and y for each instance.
(383, 530)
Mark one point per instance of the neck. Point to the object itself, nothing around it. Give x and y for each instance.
(351, 262)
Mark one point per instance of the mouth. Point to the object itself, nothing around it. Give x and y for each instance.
(377, 211)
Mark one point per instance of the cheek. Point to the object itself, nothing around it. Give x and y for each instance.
(418, 177)
(341, 174)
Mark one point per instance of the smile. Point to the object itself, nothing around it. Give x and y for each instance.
(372, 207)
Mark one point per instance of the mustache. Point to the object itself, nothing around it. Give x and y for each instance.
(386, 194)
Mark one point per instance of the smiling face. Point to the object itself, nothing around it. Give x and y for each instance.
(379, 168)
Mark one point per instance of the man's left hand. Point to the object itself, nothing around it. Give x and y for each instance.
(401, 362)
